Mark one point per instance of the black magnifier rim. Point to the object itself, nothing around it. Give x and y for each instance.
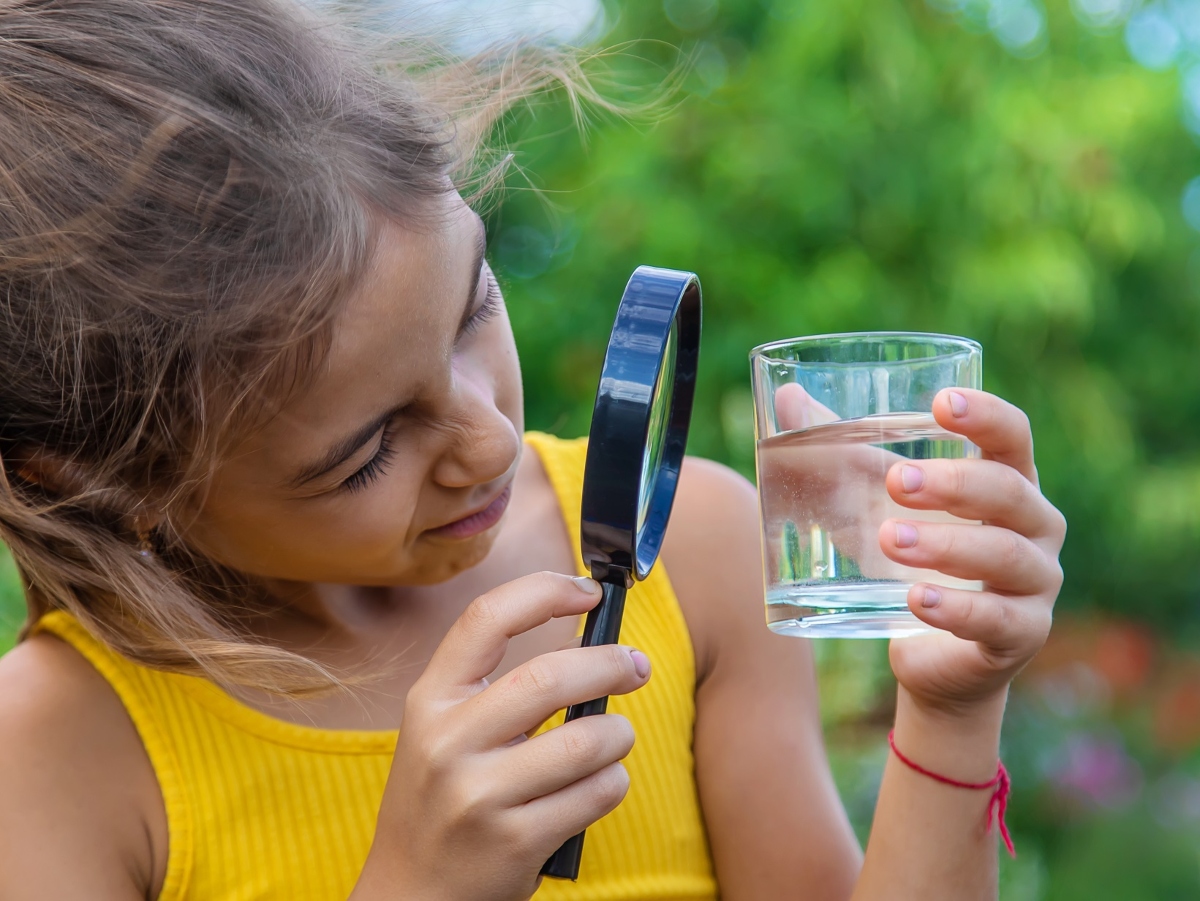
(614, 549)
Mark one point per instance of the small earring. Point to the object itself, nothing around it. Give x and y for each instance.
(145, 545)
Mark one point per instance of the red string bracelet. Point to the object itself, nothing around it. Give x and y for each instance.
(996, 806)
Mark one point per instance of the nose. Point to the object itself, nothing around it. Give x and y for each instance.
(482, 442)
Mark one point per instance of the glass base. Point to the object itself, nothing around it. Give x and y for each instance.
(843, 610)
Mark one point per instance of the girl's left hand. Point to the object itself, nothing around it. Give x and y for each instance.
(1012, 548)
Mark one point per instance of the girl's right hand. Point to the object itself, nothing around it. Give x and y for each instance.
(473, 808)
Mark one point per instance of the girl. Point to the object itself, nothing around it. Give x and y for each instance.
(296, 624)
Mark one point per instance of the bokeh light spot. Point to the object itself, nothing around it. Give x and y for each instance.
(1152, 38)
(1101, 14)
(1017, 24)
(1191, 203)
(690, 15)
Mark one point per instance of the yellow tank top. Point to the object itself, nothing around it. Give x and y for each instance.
(259, 808)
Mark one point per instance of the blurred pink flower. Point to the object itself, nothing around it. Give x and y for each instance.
(1096, 771)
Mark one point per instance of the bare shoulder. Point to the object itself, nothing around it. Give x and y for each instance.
(79, 804)
(711, 551)
(756, 706)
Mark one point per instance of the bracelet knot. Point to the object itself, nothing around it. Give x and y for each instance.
(1000, 783)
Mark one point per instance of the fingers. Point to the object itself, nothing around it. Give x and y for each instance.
(1001, 623)
(998, 428)
(1002, 559)
(562, 756)
(570, 810)
(475, 644)
(978, 489)
(795, 409)
(532, 692)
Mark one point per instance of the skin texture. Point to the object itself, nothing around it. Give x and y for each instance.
(478, 625)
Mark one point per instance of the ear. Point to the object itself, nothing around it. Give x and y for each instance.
(51, 472)
(63, 477)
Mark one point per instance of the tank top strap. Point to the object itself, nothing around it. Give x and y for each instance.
(654, 845)
(564, 461)
(144, 693)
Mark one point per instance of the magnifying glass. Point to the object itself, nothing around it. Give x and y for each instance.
(639, 433)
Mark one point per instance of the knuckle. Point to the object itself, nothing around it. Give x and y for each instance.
(1059, 525)
(615, 784)
(470, 798)
(1043, 619)
(417, 699)
(540, 676)
(984, 615)
(579, 746)
(545, 581)
(438, 750)
(1057, 576)
(969, 613)
(1015, 491)
(525, 843)
(620, 664)
(1024, 427)
(1012, 551)
(623, 735)
(484, 613)
(959, 478)
(945, 541)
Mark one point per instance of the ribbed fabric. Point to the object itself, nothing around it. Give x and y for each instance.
(258, 808)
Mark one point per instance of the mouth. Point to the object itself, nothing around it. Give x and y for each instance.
(479, 521)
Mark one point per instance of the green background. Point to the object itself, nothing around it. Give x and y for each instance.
(843, 165)
(838, 165)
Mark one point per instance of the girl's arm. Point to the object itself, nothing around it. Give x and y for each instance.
(776, 827)
(80, 811)
(775, 823)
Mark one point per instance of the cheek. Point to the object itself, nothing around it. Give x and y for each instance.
(355, 535)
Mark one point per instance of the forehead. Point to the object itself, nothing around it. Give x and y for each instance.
(394, 333)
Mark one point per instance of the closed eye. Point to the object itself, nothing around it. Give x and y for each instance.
(376, 466)
(487, 311)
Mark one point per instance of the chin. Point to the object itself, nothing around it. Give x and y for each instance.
(445, 563)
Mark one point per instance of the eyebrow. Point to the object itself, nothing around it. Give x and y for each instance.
(351, 444)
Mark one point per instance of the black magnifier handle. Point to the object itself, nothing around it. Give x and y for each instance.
(603, 626)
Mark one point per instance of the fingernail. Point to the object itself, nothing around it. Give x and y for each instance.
(958, 404)
(586, 585)
(930, 597)
(912, 478)
(641, 664)
(906, 535)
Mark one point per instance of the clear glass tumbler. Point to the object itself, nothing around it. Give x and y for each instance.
(833, 414)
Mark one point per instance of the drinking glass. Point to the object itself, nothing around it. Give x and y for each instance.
(833, 413)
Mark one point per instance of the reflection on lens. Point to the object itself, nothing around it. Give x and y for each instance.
(656, 434)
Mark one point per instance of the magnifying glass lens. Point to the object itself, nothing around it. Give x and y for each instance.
(656, 433)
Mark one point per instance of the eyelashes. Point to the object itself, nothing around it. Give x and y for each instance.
(378, 464)
(488, 309)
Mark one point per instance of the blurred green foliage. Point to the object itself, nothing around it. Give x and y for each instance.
(12, 604)
(844, 165)
(837, 165)
(841, 165)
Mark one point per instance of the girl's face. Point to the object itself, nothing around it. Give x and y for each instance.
(395, 465)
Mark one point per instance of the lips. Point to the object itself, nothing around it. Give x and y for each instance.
(477, 522)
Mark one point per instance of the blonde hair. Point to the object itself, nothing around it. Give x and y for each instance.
(187, 189)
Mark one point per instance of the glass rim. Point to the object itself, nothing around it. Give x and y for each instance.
(963, 345)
